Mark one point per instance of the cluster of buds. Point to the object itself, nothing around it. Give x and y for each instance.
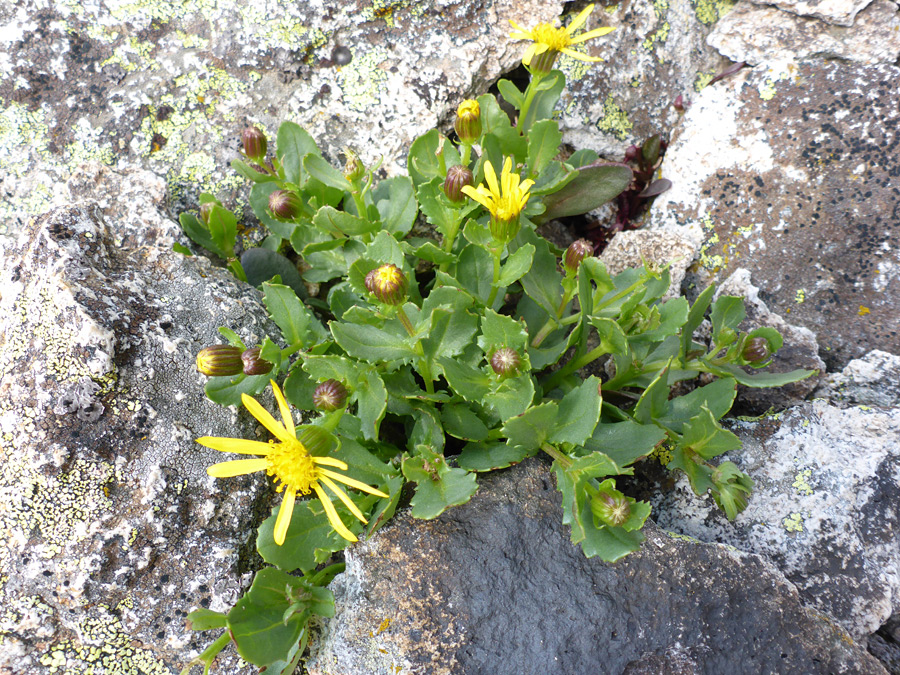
(609, 505)
(578, 250)
(225, 360)
(506, 362)
(329, 396)
(468, 122)
(388, 284)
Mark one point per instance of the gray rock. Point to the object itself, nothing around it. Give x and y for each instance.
(106, 503)
(495, 586)
(838, 12)
(760, 33)
(800, 351)
(872, 380)
(823, 508)
(790, 172)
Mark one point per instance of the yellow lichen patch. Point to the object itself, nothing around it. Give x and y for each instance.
(800, 296)
(88, 146)
(710, 11)
(711, 262)
(863, 310)
(386, 9)
(21, 128)
(681, 537)
(702, 80)
(659, 36)
(793, 523)
(361, 81)
(574, 69)
(614, 120)
(801, 482)
(133, 55)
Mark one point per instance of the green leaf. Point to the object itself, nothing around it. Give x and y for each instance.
(451, 331)
(428, 251)
(650, 150)
(695, 318)
(625, 442)
(532, 428)
(477, 233)
(595, 185)
(470, 383)
(490, 456)
(370, 343)
(552, 179)
(371, 398)
(206, 619)
(423, 163)
(653, 402)
(321, 170)
(542, 283)
(726, 314)
(495, 122)
(261, 264)
(297, 323)
(699, 475)
(438, 486)
(427, 435)
(259, 202)
(250, 173)
(579, 412)
(293, 144)
(544, 138)
(333, 221)
(545, 100)
(706, 437)
(717, 396)
(511, 397)
(309, 541)
(436, 208)
(232, 338)
(183, 250)
(516, 265)
(672, 316)
(732, 488)
(395, 199)
(499, 330)
(299, 387)
(195, 229)
(475, 271)
(761, 380)
(228, 390)
(459, 421)
(582, 157)
(511, 93)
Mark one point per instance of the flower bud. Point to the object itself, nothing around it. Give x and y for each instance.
(578, 250)
(253, 364)
(388, 284)
(468, 121)
(219, 360)
(609, 505)
(255, 144)
(205, 210)
(541, 64)
(632, 153)
(285, 204)
(354, 169)
(756, 350)
(329, 396)
(457, 178)
(506, 362)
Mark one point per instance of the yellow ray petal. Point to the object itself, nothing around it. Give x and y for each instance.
(285, 410)
(525, 185)
(269, 422)
(491, 177)
(529, 53)
(580, 56)
(579, 20)
(597, 32)
(330, 461)
(238, 446)
(284, 516)
(344, 498)
(236, 467)
(352, 482)
(333, 518)
(476, 195)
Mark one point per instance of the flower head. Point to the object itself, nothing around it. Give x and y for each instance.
(291, 460)
(388, 284)
(468, 121)
(548, 41)
(458, 176)
(219, 360)
(255, 144)
(505, 200)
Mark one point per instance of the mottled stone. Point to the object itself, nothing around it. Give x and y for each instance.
(791, 172)
(113, 532)
(838, 12)
(823, 508)
(872, 380)
(799, 351)
(495, 586)
(760, 33)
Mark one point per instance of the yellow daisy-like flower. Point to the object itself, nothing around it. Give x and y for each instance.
(505, 200)
(290, 461)
(551, 40)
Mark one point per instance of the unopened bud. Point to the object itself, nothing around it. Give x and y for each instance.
(354, 169)
(329, 396)
(632, 153)
(255, 144)
(388, 284)
(541, 64)
(578, 250)
(609, 505)
(506, 362)
(457, 178)
(756, 350)
(285, 204)
(253, 364)
(205, 210)
(219, 360)
(468, 121)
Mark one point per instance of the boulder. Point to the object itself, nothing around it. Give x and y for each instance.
(495, 586)
(873, 380)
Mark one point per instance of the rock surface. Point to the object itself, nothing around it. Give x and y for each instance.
(823, 508)
(871, 380)
(494, 586)
(105, 499)
(759, 33)
(792, 173)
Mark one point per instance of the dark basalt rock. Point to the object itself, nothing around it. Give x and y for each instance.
(495, 586)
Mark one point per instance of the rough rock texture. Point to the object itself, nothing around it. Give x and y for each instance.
(495, 586)
(760, 33)
(839, 12)
(105, 499)
(792, 173)
(800, 350)
(168, 87)
(823, 508)
(873, 380)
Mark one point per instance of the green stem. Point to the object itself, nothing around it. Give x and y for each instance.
(495, 282)
(573, 365)
(209, 654)
(552, 323)
(407, 324)
(564, 461)
(451, 238)
(466, 154)
(529, 99)
(424, 369)
(331, 420)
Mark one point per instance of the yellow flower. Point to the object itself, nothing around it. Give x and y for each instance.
(468, 121)
(550, 40)
(505, 200)
(291, 462)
